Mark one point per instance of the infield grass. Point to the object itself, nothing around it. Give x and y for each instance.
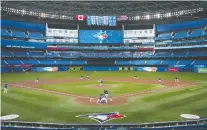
(84, 88)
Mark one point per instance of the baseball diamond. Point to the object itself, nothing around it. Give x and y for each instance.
(103, 65)
(67, 95)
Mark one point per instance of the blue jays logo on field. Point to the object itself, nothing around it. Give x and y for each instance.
(103, 117)
(101, 36)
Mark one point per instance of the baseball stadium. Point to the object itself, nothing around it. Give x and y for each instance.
(104, 65)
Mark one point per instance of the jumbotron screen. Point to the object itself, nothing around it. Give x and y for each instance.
(100, 36)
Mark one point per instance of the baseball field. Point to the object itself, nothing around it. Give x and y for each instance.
(60, 96)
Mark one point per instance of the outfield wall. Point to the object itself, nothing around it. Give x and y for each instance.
(172, 68)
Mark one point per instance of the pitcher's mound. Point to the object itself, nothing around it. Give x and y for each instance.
(93, 101)
(103, 86)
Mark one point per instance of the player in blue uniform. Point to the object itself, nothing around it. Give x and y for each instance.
(5, 88)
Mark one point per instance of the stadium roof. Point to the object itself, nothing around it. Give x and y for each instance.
(130, 8)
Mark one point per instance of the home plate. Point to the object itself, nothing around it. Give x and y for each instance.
(110, 99)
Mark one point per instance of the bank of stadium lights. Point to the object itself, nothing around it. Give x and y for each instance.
(36, 13)
(161, 15)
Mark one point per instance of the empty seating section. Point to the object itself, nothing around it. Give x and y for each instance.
(164, 36)
(163, 54)
(4, 32)
(157, 62)
(196, 33)
(63, 62)
(21, 34)
(20, 53)
(37, 54)
(169, 62)
(18, 34)
(180, 35)
(78, 62)
(47, 62)
(200, 62)
(179, 54)
(196, 53)
(36, 35)
(30, 62)
(204, 53)
(153, 62)
(6, 54)
(185, 62)
(13, 62)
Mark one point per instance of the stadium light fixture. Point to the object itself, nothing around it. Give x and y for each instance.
(147, 17)
(157, 15)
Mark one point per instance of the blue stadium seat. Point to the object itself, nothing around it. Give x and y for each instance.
(13, 62)
(163, 54)
(169, 62)
(78, 62)
(180, 35)
(4, 32)
(18, 34)
(6, 54)
(196, 33)
(179, 54)
(164, 36)
(20, 54)
(37, 54)
(59, 62)
(30, 62)
(200, 62)
(153, 62)
(36, 35)
(48, 62)
(185, 62)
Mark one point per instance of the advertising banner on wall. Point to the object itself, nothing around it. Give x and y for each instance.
(45, 69)
(126, 68)
(202, 70)
(173, 69)
(150, 69)
(75, 68)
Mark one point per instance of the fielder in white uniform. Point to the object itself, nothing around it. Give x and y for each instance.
(37, 80)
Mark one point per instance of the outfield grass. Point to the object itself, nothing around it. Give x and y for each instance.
(38, 106)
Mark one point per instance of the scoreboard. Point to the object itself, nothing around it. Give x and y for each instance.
(101, 20)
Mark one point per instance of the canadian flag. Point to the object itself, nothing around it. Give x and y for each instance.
(80, 17)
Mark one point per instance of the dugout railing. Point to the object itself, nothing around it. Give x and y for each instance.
(201, 123)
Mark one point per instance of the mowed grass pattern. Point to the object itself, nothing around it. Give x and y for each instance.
(39, 106)
(84, 88)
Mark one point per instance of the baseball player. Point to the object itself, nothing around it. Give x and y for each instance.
(106, 93)
(81, 77)
(37, 80)
(136, 77)
(87, 77)
(159, 80)
(101, 82)
(5, 88)
(176, 79)
(102, 99)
